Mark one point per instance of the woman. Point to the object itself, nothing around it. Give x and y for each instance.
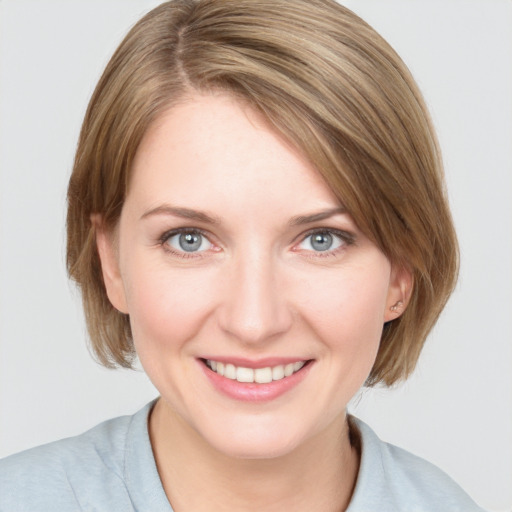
(257, 211)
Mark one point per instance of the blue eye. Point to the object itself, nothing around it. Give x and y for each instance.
(188, 241)
(322, 241)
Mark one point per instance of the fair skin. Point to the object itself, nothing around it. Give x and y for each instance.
(220, 256)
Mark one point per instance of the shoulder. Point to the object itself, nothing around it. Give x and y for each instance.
(68, 474)
(392, 479)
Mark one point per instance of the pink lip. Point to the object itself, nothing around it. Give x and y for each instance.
(252, 392)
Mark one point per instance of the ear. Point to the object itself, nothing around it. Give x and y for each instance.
(399, 292)
(106, 243)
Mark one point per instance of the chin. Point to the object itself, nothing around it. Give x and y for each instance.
(264, 447)
(257, 438)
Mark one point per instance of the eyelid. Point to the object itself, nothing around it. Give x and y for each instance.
(163, 239)
(179, 231)
(347, 238)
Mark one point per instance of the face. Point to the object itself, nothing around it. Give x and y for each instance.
(256, 303)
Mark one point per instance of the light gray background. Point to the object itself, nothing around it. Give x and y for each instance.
(457, 408)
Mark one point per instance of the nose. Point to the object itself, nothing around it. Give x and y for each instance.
(254, 308)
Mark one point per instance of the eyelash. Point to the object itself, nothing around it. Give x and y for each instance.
(182, 231)
(347, 238)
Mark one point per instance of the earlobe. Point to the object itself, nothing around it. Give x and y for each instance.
(399, 292)
(108, 254)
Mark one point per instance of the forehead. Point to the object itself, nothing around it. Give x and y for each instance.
(213, 149)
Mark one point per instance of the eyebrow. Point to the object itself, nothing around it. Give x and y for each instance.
(188, 213)
(315, 217)
(184, 213)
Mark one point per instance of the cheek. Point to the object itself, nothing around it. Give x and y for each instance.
(346, 308)
(167, 306)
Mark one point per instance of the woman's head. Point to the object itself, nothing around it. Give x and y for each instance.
(325, 82)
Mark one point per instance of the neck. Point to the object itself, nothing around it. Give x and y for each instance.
(318, 475)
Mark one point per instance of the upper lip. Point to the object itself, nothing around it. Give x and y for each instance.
(256, 363)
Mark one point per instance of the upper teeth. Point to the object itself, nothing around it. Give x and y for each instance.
(258, 375)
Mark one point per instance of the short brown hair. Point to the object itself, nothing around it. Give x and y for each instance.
(326, 81)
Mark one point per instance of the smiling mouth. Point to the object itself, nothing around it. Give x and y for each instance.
(254, 375)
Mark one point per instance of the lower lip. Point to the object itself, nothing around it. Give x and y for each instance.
(252, 392)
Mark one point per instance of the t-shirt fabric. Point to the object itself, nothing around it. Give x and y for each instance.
(111, 468)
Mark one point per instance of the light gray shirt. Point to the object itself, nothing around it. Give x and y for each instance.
(111, 468)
